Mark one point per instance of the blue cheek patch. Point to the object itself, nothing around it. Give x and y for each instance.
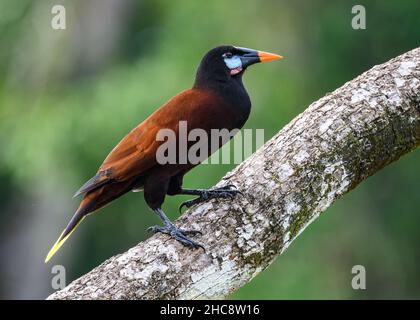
(233, 63)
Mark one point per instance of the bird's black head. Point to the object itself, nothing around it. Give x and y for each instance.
(225, 63)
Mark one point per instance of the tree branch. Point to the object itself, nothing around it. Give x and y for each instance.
(323, 153)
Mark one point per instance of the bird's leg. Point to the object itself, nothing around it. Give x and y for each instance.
(175, 232)
(228, 191)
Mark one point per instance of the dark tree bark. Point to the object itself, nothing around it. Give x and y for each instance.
(322, 154)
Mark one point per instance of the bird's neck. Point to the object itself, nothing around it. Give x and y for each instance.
(230, 89)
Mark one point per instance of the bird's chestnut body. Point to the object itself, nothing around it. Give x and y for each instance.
(218, 100)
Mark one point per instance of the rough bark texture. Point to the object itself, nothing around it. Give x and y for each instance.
(323, 153)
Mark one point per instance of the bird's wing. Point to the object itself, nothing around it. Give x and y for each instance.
(98, 180)
(136, 152)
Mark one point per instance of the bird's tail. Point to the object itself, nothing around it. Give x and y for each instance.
(74, 222)
(93, 201)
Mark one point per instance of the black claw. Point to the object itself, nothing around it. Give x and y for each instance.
(156, 229)
(191, 232)
(228, 191)
(190, 203)
(228, 187)
(178, 234)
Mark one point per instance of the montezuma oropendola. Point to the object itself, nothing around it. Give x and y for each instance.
(217, 100)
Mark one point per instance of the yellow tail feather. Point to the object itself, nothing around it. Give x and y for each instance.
(60, 242)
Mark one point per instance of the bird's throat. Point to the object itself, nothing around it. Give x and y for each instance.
(235, 71)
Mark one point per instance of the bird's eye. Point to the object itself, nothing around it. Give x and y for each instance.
(228, 55)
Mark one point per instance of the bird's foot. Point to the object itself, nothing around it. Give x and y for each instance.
(178, 234)
(224, 192)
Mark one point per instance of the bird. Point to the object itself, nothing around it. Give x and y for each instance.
(217, 100)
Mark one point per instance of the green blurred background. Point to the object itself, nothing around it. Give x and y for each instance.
(68, 96)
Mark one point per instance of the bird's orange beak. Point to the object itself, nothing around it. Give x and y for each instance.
(251, 56)
(266, 56)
